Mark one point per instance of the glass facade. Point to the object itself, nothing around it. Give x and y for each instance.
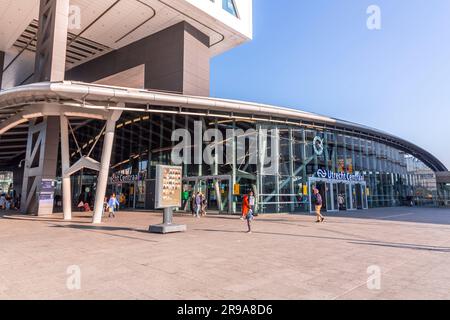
(6, 179)
(362, 172)
(444, 194)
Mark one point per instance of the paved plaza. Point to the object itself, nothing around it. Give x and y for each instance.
(286, 257)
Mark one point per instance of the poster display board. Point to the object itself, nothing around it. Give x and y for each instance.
(46, 197)
(169, 182)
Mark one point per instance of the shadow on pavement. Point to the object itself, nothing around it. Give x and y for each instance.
(349, 240)
(423, 215)
(99, 229)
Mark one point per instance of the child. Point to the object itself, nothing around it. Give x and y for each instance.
(112, 205)
(249, 218)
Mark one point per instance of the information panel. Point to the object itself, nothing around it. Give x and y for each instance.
(169, 181)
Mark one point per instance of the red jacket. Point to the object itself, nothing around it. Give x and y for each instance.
(245, 205)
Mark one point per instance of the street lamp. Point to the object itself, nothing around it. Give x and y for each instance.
(20, 163)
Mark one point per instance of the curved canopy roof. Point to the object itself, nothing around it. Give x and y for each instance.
(91, 96)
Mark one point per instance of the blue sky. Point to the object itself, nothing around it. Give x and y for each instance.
(319, 56)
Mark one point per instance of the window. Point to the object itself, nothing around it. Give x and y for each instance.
(230, 6)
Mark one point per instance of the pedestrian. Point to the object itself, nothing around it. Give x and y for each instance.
(87, 207)
(105, 206)
(318, 205)
(245, 206)
(341, 202)
(249, 218)
(8, 202)
(193, 197)
(198, 204)
(252, 203)
(186, 197)
(204, 206)
(80, 204)
(3, 202)
(112, 205)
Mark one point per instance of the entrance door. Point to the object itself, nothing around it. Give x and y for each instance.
(358, 193)
(335, 196)
(322, 186)
(351, 197)
(216, 190)
(325, 192)
(125, 194)
(342, 196)
(364, 196)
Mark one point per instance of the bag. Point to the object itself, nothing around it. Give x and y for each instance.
(110, 210)
(81, 204)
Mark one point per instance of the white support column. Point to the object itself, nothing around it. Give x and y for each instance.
(216, 169)
(234, 168)
(275, 150)
(291, 168)
(65, 166)
(102, 180)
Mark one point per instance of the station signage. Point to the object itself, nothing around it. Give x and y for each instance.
(327, 174)
(127, 178)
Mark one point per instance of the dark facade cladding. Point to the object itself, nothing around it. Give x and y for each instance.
(2, 63)
(175, 59)
(351, 171)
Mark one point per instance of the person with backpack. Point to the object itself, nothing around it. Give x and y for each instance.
(318, 202)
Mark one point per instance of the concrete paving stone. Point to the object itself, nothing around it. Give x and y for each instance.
(287, 257)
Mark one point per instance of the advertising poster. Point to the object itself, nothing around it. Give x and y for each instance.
(169, 182)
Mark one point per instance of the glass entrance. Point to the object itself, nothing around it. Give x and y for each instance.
(125, 194)
(216, 190)
(342, 197)
(359, 195)
(364, 194)
(338, 196)
(328, 193)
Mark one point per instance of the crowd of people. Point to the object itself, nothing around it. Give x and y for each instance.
(196, 201)
(198, 205)
(9, 200)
